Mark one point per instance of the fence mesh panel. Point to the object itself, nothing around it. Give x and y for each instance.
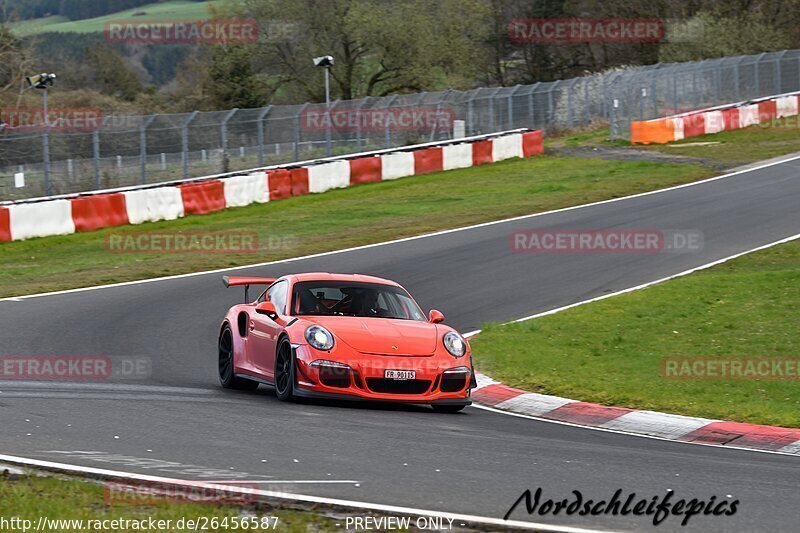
(131, 150)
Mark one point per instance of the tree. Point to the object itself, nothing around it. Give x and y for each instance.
(111, 75)
(379, 46)
(15, 63)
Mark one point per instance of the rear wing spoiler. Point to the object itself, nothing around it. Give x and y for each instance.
(234, 281)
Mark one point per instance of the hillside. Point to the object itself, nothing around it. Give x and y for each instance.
(172, 10)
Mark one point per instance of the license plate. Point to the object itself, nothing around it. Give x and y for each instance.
(400, 374)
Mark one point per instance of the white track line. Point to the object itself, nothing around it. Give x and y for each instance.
(117, 475)
(623, 432)
(404, 239)
(647, 284)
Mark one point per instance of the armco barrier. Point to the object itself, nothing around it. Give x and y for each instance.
(507, 147)
(532, 143)
(152, 205)
(715, 120)
(365, 169)
(327, 176)
(42, 219)
(482, 152)
(279, 182)
(428, 160)
(245, 190)
(5, 225)
(64, 215)
(456, 156)
(397, 165)
(299, 181)
(202, 198)
(101, 211)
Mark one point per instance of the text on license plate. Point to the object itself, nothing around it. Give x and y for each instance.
(400, 374)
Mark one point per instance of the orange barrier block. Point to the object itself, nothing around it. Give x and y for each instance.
(731, 118)
(653, 131)
(202, 198)
(428, 160)
(280, 184)
(99, 211)
(299, 181)
(482, 152)
(694, 125)
(767, 110)
(532, 143)
(365, 170)
(5, 225)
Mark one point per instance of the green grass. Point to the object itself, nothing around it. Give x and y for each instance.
(341, 218)
(32, 497)
(610, 351)
(755, 143)
(166, 11)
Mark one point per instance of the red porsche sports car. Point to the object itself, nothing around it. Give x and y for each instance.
(350, 336)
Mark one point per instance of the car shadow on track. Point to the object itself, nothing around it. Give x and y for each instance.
(268, 393)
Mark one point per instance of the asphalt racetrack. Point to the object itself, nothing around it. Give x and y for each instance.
(179, 423)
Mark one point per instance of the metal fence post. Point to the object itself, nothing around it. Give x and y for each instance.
(387, 133)
(587, 112)
(435, 125)
(569, 101)
(143, 147)
(551, 110)
(46, 159)
(511, 106)
(96, 156)
(224, 137)
(260, 133)
(778, 74)
(531, 114)
(491, 110)
(758, 75)
(185, 143)
(470, 112)
(297, 131)
(358, 123)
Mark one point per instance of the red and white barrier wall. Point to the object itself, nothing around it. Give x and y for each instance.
(732, 117)
(94, 211)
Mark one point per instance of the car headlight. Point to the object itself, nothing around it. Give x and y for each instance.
(319, 337)
(454, 344)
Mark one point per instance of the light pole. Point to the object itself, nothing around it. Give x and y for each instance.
(326, 62)
(43, 81)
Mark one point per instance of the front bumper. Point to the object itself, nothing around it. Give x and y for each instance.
(439, 379)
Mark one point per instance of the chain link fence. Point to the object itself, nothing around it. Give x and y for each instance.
(131, 150)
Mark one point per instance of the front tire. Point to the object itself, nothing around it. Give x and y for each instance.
(447, 408)
(284, 371)
(226, 376)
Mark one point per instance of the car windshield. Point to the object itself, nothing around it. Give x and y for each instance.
(347, 298)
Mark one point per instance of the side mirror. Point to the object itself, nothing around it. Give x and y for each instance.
(434, 317)
(267, 308)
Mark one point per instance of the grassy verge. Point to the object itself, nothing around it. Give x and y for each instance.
(610, 351)
(338, 219)
(70, 499)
